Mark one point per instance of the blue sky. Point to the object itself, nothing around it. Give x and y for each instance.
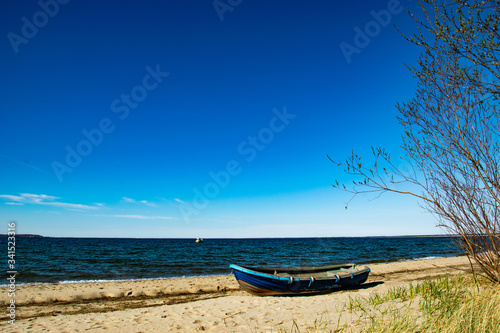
(200, 118)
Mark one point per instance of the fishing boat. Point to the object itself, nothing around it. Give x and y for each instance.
(273, 281)
(199, 240)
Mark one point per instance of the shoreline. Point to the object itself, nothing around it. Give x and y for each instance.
(27, 284)
(215, 303)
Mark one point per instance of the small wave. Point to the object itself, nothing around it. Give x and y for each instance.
(108, 280)
(430, 257)
(427, 258)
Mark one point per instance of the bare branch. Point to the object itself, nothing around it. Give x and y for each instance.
(451, 129)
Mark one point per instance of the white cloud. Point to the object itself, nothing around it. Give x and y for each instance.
(129, 200)
(69, 205)
(11, 197)
(43, 199)
(180, 201)
(147, 203)
(142, 217)
(38, 197)
(144, 202)
(147, 217)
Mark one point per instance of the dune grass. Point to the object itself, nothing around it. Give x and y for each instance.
(445, 304)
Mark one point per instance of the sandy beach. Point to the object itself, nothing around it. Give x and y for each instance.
(213, 303)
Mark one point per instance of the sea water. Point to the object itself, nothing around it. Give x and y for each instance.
(63, 260)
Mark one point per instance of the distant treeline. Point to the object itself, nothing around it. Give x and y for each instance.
(24, 235)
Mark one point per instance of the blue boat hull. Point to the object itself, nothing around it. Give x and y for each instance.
(282, 281)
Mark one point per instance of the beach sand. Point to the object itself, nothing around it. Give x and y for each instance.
(213, 303)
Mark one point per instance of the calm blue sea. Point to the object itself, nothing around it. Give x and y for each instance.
(56, 260)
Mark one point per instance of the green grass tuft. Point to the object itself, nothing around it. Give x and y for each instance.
(445, 304)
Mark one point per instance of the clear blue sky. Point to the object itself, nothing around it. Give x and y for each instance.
(199, 118)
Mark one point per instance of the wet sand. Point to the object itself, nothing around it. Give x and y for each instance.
(213, 303)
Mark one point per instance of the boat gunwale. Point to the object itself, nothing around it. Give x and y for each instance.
(267, 272)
